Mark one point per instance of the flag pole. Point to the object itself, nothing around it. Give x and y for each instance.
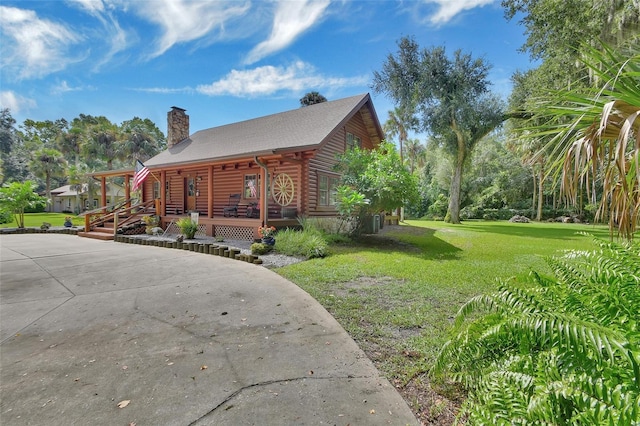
(154, 176)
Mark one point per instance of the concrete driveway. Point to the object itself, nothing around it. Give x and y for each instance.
(103, 333)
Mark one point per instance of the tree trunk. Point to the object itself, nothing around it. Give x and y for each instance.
(540, 193)
(453, 212)
(400, 210)
(48, 190)
(534, 197)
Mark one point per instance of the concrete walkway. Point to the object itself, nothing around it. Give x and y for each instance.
(173, 337)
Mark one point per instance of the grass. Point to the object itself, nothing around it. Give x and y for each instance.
(34, 220)
(396, 294)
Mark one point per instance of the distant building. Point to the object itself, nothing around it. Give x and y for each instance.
(67, 199)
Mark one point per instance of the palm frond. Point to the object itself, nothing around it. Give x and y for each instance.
(594, 133)
(554, 350)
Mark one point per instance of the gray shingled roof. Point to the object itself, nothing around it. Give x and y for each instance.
(305, 128)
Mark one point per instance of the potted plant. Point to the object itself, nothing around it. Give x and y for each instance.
(151, 221)
(188, 227)
(266, 233)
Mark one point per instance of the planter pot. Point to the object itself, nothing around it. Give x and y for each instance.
(270, 241)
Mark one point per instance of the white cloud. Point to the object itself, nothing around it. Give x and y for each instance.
(291, 19)
(92, 7)
(166, 90)
(267, 80)
(113, 33)
(15, 102)
(447, 9)
(63, 87)
(184, 20)
(33, 47)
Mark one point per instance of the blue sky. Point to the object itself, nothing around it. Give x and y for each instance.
(225, 61)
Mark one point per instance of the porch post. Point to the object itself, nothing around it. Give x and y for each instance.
(210, 191)
(103, 195)
(127, 190)
(264, 202)
(264, 209)
(163, 193)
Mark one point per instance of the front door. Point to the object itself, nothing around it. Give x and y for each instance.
(190, 192)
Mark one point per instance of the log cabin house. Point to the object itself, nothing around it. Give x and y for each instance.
(221, 172)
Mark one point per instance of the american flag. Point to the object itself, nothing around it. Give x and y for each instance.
(140, 175)
(252, 188)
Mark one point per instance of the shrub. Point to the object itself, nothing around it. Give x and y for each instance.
(555, 350)
(309, 243)
(39, 208)
(439, 207)
(5, 217)
(337, 239)
(260, 248)
(328, 225)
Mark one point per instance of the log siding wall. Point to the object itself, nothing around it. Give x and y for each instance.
(325, 160)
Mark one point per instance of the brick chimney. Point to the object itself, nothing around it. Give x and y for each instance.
(177, 126)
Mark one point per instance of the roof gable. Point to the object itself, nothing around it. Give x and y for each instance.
(302, 128)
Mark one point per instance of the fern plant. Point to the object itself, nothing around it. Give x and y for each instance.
(559, 350)
(188, 227)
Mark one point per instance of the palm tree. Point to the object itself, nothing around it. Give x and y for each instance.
(46, 164)
(105, 141)
(415, 151)
(71, 142)
(600, 141)
(141, 139)
(401, 120)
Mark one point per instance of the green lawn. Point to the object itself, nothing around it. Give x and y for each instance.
(396, 294)
(34, 220)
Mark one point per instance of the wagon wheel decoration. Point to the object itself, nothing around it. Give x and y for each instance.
(282, 189)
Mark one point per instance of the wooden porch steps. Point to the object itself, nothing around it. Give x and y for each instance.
(99, 232)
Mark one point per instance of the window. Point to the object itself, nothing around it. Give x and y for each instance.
(327, 190)
(353, 141)
(95, 203)
(156, 190)
(251, 186)
(191, 187)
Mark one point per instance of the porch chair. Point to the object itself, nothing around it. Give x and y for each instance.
(253, 210)
(232, 208)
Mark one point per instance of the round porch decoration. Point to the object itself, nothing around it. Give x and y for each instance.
(282, 189)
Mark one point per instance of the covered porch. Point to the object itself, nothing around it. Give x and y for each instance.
(229, 198)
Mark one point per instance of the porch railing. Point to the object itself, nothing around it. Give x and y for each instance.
(130, 212)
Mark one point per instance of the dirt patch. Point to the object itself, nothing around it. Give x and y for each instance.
(385, 238)
(368, 282)
(430, 407)
(427, 405)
